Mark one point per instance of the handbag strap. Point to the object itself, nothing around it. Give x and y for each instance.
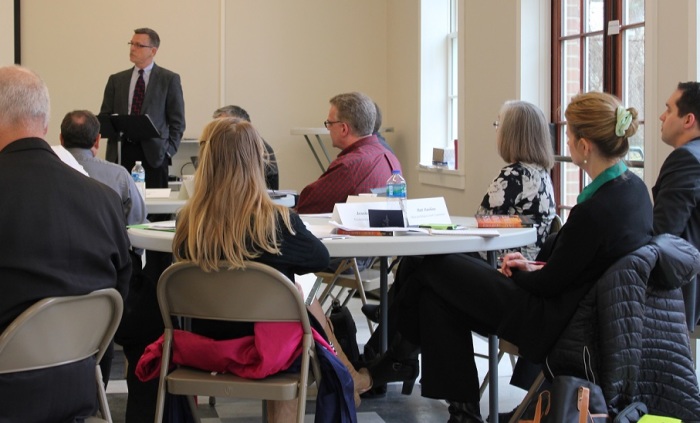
(540, 410)
(582, 404)
(587, 365)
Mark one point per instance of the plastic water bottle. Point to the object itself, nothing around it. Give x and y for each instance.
(396, 188)
(396, 185)
(139, 175)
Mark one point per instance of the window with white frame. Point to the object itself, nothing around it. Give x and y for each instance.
(439, 76)
(452, 75)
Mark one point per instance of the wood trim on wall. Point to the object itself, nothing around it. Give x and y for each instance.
(17, 33)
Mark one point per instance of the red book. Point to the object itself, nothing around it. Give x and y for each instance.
(368, 232)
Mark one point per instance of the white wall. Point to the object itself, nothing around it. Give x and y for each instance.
(285, 60)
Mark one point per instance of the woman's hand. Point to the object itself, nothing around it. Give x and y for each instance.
(518, 261)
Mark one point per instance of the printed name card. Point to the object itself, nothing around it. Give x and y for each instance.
(356, 214)
(419, 211)
(424, 211)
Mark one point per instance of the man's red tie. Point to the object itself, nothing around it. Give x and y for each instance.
(139, 92)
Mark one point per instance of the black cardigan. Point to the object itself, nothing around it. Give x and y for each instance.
(615, 221)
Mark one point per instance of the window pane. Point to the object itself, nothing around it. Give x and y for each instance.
(633, 65)
(570, 184)
(454, 73)
(634, 11)
(636, 151)
(594, 63)
(571, 70)
(455, 123)
(595, 17)
(571, 17)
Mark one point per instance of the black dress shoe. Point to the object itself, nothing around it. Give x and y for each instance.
(372, 312)
(387, 369)
(464, 412)
(398, 364)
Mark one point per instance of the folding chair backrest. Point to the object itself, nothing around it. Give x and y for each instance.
(257, 293)
(185, 290)
(60, 330)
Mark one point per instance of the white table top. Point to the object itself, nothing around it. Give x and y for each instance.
(173, 203)
(400, 245)
(165, 205)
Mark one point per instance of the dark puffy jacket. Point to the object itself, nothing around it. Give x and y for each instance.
(633, 324)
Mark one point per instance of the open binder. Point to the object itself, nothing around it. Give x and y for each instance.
(133, 127)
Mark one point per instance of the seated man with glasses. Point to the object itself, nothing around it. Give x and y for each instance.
(362, 164)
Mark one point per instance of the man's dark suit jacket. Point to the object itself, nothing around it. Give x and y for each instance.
(163, 103)
(677, 208)
(62, 234)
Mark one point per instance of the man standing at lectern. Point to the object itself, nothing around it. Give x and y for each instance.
(146, 89)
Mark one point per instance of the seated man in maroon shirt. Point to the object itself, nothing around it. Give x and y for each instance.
(362, 164)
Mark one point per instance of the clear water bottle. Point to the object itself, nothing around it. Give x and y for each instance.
(396, 189)
(139, 175)
(396, 185)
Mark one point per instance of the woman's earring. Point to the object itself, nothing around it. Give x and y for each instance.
(585, 161)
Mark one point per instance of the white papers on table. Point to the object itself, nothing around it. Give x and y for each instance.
(157, 192)
(338, 225)
(167, 225)
(482, 232)
(422, 211)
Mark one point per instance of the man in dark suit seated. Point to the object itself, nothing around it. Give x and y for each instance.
(146, 89)
(677, 190)
(62, 234)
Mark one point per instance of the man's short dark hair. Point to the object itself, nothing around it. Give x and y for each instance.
(689, 101)
(79, 129)
(152, 35)
(232, 111)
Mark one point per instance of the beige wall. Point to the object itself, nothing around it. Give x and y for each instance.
(286, 59)
(283, 60)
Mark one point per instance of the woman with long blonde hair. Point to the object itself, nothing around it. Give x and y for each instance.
(231, 219)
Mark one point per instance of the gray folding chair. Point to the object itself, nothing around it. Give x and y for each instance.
(257, 293)
(343, 286)
(62, 330)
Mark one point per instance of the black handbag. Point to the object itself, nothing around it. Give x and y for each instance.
(576, 400)
(345, 331)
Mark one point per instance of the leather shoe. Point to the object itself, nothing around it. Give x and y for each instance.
(398, 364)
(464, 412)
(371, 311)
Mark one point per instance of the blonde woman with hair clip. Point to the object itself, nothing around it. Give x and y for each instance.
(524, 303)
(231, 218)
